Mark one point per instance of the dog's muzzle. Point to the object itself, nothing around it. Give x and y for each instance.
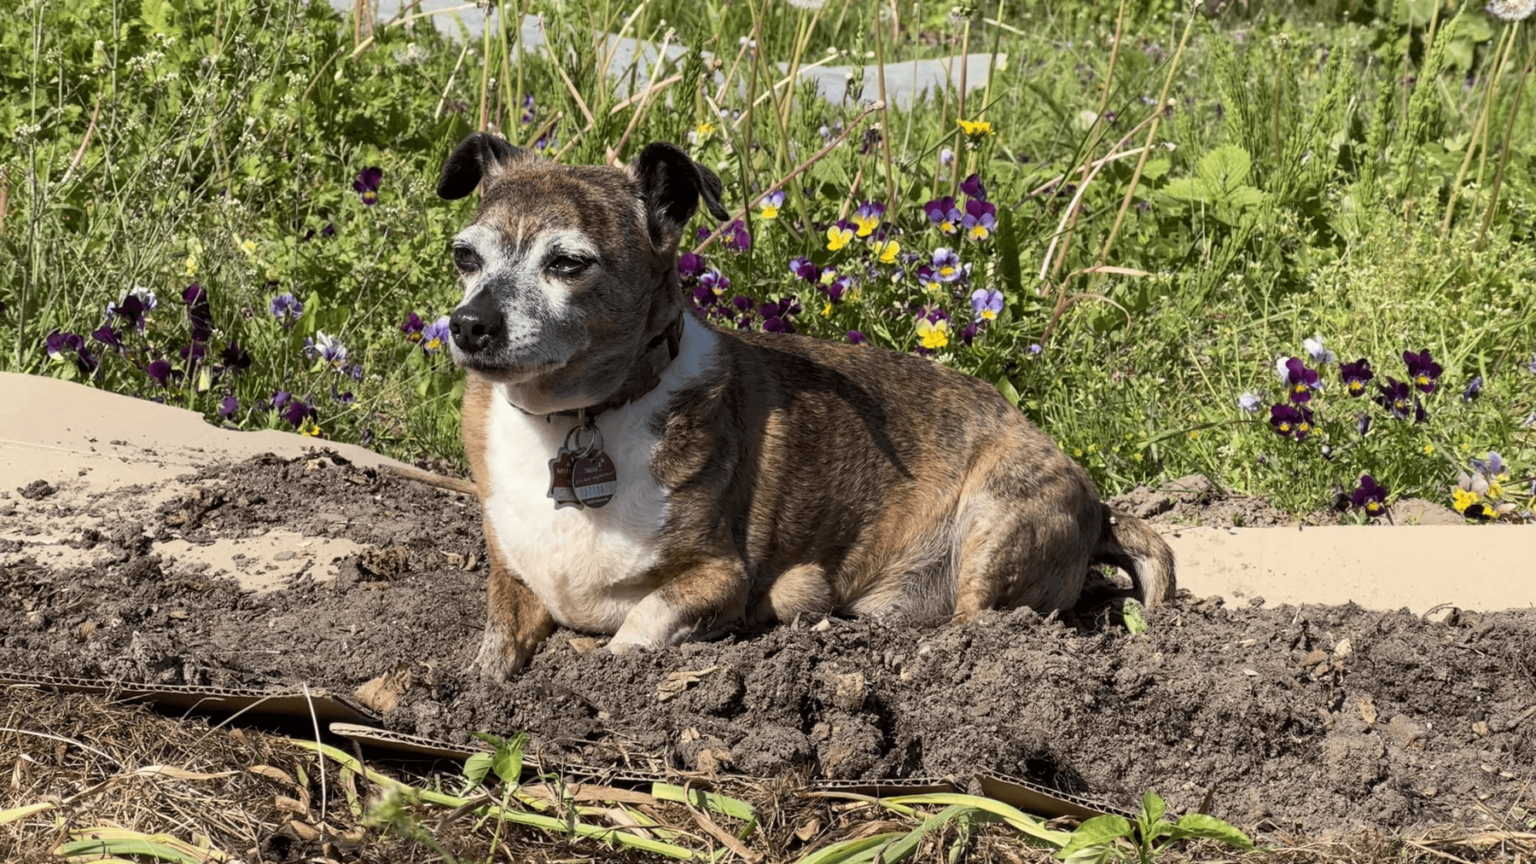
(477, 325)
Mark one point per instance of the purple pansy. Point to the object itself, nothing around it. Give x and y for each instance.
(1363, 423)
(434, 337)
(412, 327)
(946, 265)
(235, 358)
(1423, 371)
(987, 304)
(804, 268)
(1369, 495)
(944, 215)
(286, 308)
(131, 311)
(1290, 421)
(980, 219)
(1396, 397)
(280, 398)
(59, 343)
(867, 218)
(325, 347)
(194, 352)
(857, 338)
(199, 312)
(1473, 389)
(1356, 375)
(736, 237)
(296, 411)
(690, 265)
(367, 186)
(163, 372)
(1299, 381)
(973, 187)
(228, 406)
(714, 282)
(107, 336)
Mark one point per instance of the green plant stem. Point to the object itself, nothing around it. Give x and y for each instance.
(885, 120)
(1141, 162)
(1509, 132)
(1479, 131)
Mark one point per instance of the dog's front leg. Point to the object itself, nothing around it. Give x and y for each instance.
(694, 602)
(516, 622)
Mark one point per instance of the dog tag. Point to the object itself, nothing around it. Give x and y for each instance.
(560, 480)
(594, 479)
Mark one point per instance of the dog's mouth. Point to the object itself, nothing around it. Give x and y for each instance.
(502, 370)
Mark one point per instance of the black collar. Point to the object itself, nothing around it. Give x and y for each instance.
(658, 355)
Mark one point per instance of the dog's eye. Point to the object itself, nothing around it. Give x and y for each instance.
(566, 266)
(465, 259)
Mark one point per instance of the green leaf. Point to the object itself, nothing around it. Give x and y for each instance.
(1011, 393)
(1008, 255)
(849, 851)
(1224, 169)
(1135, 619)
(1209, 828)
(724, 805)
(1156, 168)
(1017, 819)
(476, 767)
(508, 759)
(1098, 831)
(1152, 807)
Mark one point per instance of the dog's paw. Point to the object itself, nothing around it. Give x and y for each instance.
(621, 644)
(500, 658)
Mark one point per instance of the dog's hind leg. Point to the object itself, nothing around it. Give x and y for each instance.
(698, 601)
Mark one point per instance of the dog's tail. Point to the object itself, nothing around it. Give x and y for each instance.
(1132, 545)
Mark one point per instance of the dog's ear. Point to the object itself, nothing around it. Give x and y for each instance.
(671, 185)
(478, 158)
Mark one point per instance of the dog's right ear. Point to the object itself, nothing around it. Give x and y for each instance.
(476, 160)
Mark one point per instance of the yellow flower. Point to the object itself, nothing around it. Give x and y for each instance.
(248, 246)
(705, 130)
(976, 128)
(935, 335)
(1429, 449)
(769, 211)
(310, 428)
(191, 266)
(887, 251)
(838, 237)
(826, 311)
(1465, 498)
(1495, 490)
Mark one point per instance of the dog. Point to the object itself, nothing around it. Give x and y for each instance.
(646, 475)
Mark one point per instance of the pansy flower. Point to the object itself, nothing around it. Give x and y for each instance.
(1423, 371)
(867, 218)
(228, 406)
(987, 304)
(980, 219)
(946, 264)
(933, 334)
(771, 204)
(194, 352)
(857, 338)
(163, 373)
(528, 108)
(1284, 419)
(1396, 397)
(58, 344)
(839, 235)
(1299, 381)
(944, 215)
(367, 186)
(702, 298)
(929, 279)
(1363, 423)
(1473, 389)
(1249, 402)
(235, 358)
(973, 187)
(412, 327)
(325, 347)
(1318, 353)
(690, 266)
(804, 268)
(1369, 496)
(735, 237)
(107, 336)
(286, 308)
(296, 411)
(434, 337)
(886, 251)
(1356, 375)
(714, 282)
(199, 312)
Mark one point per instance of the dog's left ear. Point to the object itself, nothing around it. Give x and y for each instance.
(671, 185)
(476, 160)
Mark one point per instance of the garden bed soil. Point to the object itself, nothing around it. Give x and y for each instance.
(1300, 720)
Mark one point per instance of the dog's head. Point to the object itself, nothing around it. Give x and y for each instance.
(568, 271)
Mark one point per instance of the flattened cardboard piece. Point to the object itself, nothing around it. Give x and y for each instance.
(1042, 800)
(888, 788)
(288, 701)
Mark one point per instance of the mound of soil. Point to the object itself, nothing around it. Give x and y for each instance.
(1312, 719)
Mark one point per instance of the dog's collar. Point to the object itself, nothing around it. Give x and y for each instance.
(659, 354)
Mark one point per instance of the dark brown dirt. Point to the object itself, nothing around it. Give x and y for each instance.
(1311, 720)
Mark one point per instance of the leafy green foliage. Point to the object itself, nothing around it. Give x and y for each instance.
(1115, 838)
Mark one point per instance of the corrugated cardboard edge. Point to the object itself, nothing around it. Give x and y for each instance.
(1034, 798)
(303, 702)
(418, 745)
(888, 788)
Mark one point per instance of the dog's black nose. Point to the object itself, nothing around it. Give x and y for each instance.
(476, 326)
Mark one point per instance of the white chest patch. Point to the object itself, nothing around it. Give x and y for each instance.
(586, 565)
